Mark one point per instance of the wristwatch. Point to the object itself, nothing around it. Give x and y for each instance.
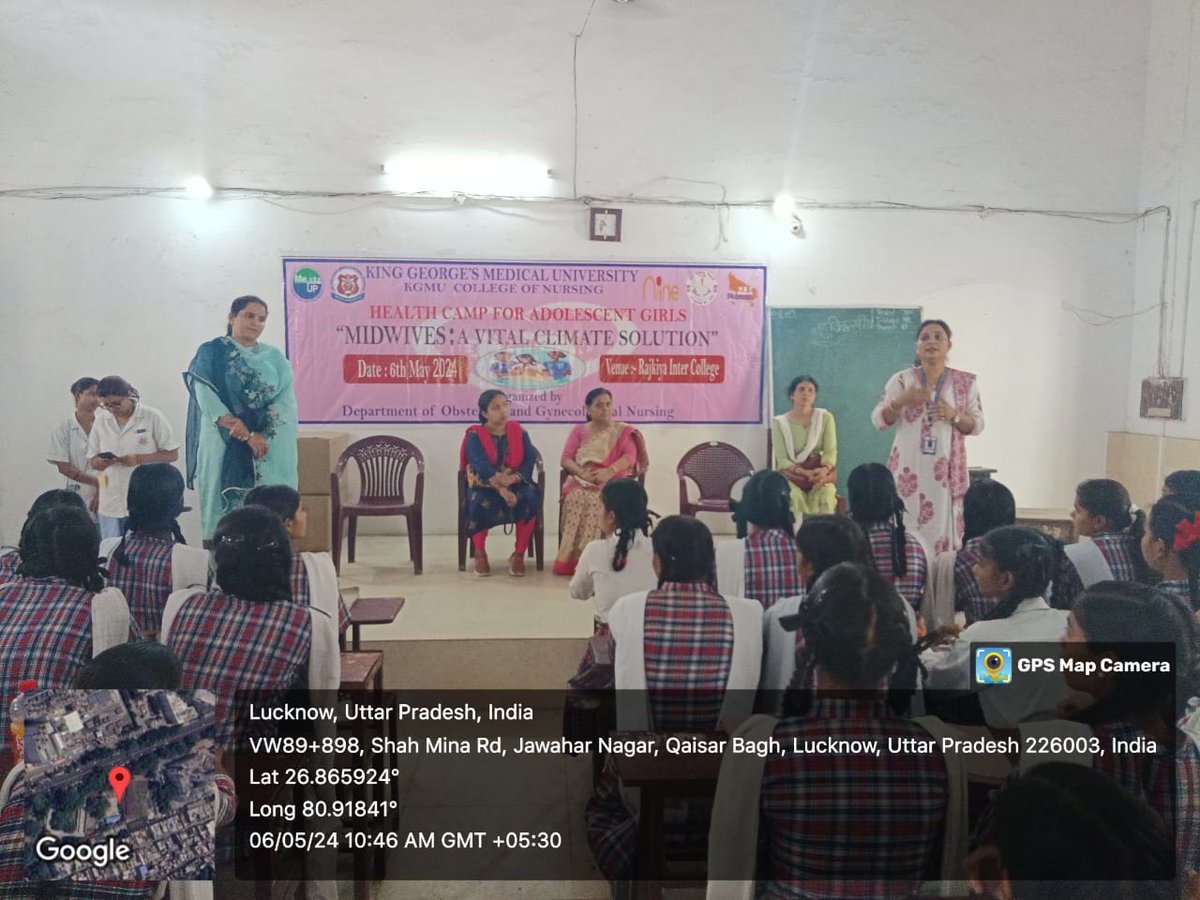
(957, 418)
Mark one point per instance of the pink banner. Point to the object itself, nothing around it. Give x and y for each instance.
(411, 341)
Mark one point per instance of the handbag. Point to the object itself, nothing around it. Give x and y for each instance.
(804, 481)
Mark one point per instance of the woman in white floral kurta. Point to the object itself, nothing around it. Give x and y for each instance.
(934, 407)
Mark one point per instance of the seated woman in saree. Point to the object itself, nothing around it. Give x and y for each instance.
(804, 447)
(498, 459)
(241, 429)
(596, 452)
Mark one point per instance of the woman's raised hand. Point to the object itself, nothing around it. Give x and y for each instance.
(914, 395)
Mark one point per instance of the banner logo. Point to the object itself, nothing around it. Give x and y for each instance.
(306, 284)
(701, 288)
(348, 285)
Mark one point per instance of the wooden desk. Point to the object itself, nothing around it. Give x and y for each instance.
(1054, 521)
(372, 611)
(660, 777)
(363, 671)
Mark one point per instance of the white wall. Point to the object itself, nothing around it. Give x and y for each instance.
(932, 103)
(1170, 176)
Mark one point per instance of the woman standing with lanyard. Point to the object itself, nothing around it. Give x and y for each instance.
(934, 408)
(242, 416)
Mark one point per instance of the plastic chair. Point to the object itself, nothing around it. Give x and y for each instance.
(715, 467)
(537, 546)
(382, 463)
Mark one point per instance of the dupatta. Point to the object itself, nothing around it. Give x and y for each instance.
(215, 366)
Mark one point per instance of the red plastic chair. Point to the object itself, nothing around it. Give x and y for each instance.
(382, 463)
(537, 546)
(715, 467)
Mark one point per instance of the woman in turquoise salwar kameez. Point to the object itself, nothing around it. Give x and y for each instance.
(241, 430)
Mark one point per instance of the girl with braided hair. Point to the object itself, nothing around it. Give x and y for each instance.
(1171, 547)
(622, 561)
(687, 658)
(10, 557)
(1014, 569)
(761, 564)
(151, 559)
(837, 820)
(58, 614)
(877, 507)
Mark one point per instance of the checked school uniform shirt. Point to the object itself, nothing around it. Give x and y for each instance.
(145, 579)
(911, 584)
(1169, 782)
(772, 570)
(302, 592)
(45, 634)
(9, 560)
(1121, 551)
(229, 644)
(688, 646)
(967, 597)
(850, 824)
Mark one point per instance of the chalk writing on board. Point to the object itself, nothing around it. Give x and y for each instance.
(834, 328)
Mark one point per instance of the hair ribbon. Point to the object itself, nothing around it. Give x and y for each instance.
(1187, 533)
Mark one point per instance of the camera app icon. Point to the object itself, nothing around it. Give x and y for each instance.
(993, 665)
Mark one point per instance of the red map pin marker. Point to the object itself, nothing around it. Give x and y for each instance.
(118, 777)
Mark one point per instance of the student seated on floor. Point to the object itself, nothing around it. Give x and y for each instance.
(308, 569)
(1110, 531)
(687, 658)
(833, 823)
(58, 614)
(877, 507)
(761, 563)
(151, 559)
(245, 633)
(10, 557)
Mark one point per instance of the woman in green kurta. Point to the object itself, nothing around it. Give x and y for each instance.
(804, 444)
(241, 430)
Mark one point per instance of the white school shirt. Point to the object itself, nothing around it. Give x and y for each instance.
(779, 645)
(69, 443)
(595, 580)
(147, 431)
(1003, 706)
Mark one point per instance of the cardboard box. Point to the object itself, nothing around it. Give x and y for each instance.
(319, 537)
(318, 453)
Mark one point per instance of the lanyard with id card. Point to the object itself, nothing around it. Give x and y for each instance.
(928, 441)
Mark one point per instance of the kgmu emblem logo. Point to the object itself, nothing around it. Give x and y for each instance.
(348, 285)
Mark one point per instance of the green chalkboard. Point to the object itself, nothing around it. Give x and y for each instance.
(851, 353)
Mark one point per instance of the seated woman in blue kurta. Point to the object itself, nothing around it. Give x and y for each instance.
(498, 458)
